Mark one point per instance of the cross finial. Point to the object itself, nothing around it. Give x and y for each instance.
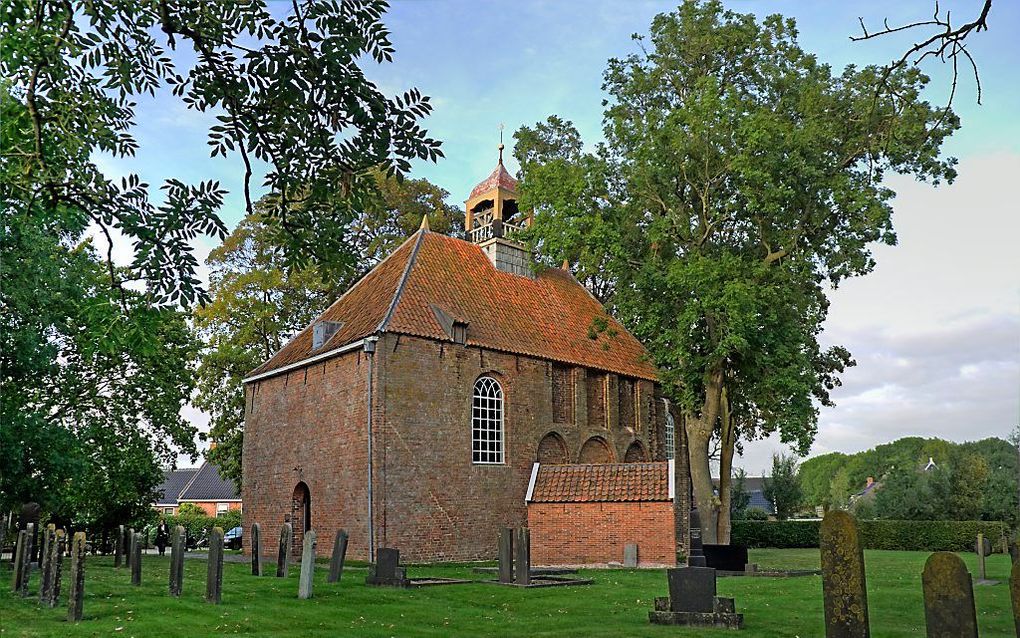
(500, 147)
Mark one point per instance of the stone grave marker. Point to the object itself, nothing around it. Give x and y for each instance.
(693, 602)
(283, 555)
(506, 555)
(136, 559)
(949, 610)
(26, 562)
(387, 570)
(118, 547)
(48, 541)
(630, 555)
(76, 594)
(130, 548)
(256, 549)
(177, 550)
(336, 560)
(983, 549)
(522, 556)
(843, 583)
(697, 554)
(307, 577)
(1014, 552)
(51, 592)
(19, 559)
(214, 573)
(1014, 595)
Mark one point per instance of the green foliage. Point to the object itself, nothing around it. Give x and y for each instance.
(197, 524)
(739, 496)
(755, 514)
(816, 475)
(782, 486)
(930, 536)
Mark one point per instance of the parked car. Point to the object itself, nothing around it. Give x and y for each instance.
(232, 539)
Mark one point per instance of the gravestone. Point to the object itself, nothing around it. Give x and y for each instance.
(697, 555)
(48, 541)
(307, 577)
(214, 573)
(843, 583)
(30, 514)
(522, 556)
(19, 559)
(336, 560)
(693, 602)
(630, 555)
(949, 610)
(136, 559)
(983, 549)
(387, 570)
(256, 549)
(506, 555)
(130, 548)
(118, 547)
(26, 562)
(51, 592)
(1014, 552)
(177, 550)
(1014, 595)
(76, 593)
(283, 555)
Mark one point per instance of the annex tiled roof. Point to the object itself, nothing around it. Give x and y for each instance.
(602, 482)
(208, 485)
(498, 177)
(549, 316)
(174, 482)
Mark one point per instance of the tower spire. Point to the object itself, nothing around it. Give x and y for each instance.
(500, 147)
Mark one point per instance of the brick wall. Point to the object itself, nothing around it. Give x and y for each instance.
(596, 533)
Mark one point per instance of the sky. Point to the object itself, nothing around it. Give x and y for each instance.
(935, 329)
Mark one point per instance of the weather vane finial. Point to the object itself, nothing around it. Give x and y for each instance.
(500, 147)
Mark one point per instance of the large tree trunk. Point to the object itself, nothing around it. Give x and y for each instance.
(699, 434)
(726, 449)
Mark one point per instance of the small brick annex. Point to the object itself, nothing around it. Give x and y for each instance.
(587, 514)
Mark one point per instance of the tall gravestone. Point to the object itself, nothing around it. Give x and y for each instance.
(1014, 595)
(256, 549)
(983, 549)
(697, 557)
(522, 556)
(76, 594)
(130, 547)
(949, 610)
(51, 593)
(118, 547)
(214, 575)
(19, 558)
(26, 562)
(48, 540)
(177, 550)
(136, 558)
(336, 560)
(506, 555)
(283, 554)
(843, 583)
(30, 514)
(307, 577)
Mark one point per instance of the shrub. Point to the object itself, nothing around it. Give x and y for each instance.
(930, 536)
(197, 524)
(756, 514)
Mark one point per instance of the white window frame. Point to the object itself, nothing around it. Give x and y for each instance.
(487, 431)
(670, 437)
(222, 509)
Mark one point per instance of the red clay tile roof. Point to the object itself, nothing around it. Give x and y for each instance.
(498, 177)
(615, 482)
(546, 317)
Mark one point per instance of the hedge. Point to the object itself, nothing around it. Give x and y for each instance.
(197, 526)
(929, 536)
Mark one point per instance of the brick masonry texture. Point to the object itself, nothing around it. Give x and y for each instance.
(596, 533)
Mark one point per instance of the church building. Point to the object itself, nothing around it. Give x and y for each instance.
(413, 411)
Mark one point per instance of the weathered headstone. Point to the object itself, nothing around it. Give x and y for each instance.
(630, 555)
(307, 577)
(26, 563)
(522, 556)
(843, 583)
(949, 610)
(983, 549)
(506, 555)
(177, 550)
(692, 601)
(336, 560)
(283, 555)
(386, 569)
(29, 520)
(136, 558)
(1014, 551)
(256, 549)
(1014, 595)
(51, 592)
(76, 594)
(214, 574)
(118, 547)
(697, 555)
(130, 548)
(48, 540)
(19, 558)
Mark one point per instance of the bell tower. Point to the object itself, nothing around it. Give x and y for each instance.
(492, 215)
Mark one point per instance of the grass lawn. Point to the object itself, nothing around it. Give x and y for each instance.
(616, 605)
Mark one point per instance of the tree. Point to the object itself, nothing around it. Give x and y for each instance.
(740, 497)
(782, 487)
(840, 489)
(258, 303)
(817, 475)
(738, 179)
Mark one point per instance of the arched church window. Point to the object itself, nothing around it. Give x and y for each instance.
(670, 433)
(487, 421)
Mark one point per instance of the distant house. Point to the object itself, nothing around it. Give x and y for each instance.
(202, 486)
(754, 486)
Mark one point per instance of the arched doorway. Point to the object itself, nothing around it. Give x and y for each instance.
(300, 515)
(595, 450)
(552, 450)
(635, 453)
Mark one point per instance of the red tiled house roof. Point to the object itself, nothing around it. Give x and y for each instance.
(548, 317)
(603, 482)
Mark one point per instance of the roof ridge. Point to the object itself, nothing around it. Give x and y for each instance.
(403, 279)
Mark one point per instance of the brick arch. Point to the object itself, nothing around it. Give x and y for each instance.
(596, 450)
(635, 453)
(552, 449)
(300, 515)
